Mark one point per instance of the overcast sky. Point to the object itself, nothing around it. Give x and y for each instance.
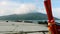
(8, 7)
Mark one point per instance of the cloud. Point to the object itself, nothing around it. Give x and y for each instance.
(25, 8)
(41, 10)
(56, 12)
(7, 8)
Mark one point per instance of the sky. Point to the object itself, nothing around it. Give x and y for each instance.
(8, 7)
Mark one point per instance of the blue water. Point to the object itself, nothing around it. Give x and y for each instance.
(36, 21)
(57, 21)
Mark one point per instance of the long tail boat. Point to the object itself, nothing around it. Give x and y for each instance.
(52, 26)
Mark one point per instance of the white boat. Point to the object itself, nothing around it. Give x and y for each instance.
(17, 27)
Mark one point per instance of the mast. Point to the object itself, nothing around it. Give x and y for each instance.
(51, 21)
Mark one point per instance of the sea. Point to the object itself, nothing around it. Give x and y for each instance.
(36, 21)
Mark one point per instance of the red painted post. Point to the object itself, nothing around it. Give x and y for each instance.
(51, 21)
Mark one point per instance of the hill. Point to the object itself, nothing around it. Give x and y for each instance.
(29, 16)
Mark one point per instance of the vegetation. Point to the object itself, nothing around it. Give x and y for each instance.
(29, 16)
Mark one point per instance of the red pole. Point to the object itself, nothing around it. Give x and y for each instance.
(51, 22)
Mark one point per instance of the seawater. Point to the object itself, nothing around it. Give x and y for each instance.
(57, 21)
